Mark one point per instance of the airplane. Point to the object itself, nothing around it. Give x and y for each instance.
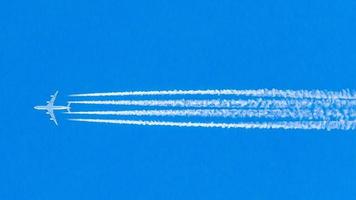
(50, 107)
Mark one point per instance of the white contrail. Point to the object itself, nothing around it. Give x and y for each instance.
(316, 94)
(225, 103)
(316, 114)
(300, 109)
(318, 125)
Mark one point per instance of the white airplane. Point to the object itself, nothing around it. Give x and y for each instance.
(50, 107)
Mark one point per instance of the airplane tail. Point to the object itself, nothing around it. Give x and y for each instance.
(68, 107)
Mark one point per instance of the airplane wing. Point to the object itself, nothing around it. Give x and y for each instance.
(52, 116)
(53, 98)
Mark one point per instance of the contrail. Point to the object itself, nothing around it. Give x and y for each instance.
(300, 94)
(225, 103)
(284, 109)
(306, 125)
(316, 114)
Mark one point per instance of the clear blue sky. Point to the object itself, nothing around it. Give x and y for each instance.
(81, 46)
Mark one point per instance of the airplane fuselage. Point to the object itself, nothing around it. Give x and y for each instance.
(51, 107)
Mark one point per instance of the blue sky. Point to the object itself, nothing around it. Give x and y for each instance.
(80, 46)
